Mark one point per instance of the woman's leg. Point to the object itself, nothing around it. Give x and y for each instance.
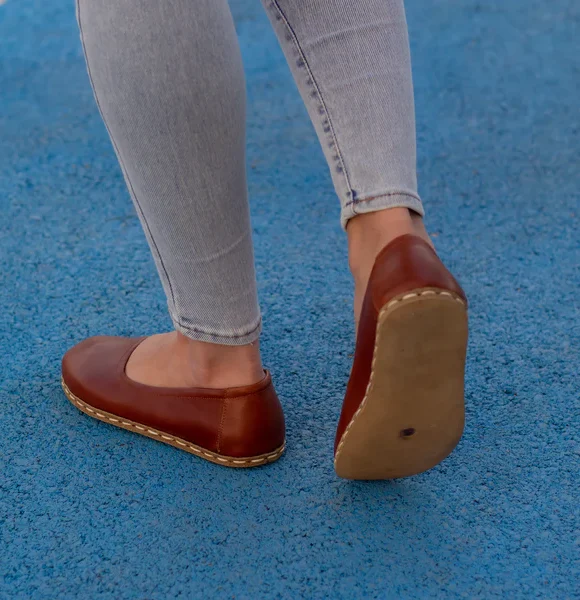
(352, 65)
(403, 410)
(169, 82)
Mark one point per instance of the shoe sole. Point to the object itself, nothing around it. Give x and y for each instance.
(413, 414)
(160, 436)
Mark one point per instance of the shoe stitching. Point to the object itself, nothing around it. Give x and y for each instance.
(221, 427)
(85, 407)
(370, 383)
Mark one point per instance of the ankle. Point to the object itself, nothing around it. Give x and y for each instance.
(369, 233)
(221, 366)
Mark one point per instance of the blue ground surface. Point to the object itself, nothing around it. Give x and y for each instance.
(90, 511)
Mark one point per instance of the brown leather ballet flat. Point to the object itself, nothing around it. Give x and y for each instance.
(234, 427)
(404, 406)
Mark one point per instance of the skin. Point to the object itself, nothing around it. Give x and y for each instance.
(173, 360)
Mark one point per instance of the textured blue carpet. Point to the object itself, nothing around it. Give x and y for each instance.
(90, 511)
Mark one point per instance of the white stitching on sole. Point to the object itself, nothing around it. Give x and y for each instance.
(85, 407)
(371, 377)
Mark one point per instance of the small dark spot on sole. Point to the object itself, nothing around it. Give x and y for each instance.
(407, 432)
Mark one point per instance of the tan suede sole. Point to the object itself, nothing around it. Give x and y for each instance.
(227, 461)
(413, 412)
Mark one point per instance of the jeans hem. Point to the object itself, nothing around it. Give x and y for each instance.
(230, 338)
(378, 202)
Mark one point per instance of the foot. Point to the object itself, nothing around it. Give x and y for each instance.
(241, 426)
(368, 234)
(403, 410)
(174, 360)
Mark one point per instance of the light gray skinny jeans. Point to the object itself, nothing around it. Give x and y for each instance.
(169, 83)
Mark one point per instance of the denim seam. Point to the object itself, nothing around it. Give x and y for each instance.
(378, 196)
(274, 3)
(211, 333)
(118, 153)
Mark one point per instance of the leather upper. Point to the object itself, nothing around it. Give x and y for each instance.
(238, 422)
(407, 263)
